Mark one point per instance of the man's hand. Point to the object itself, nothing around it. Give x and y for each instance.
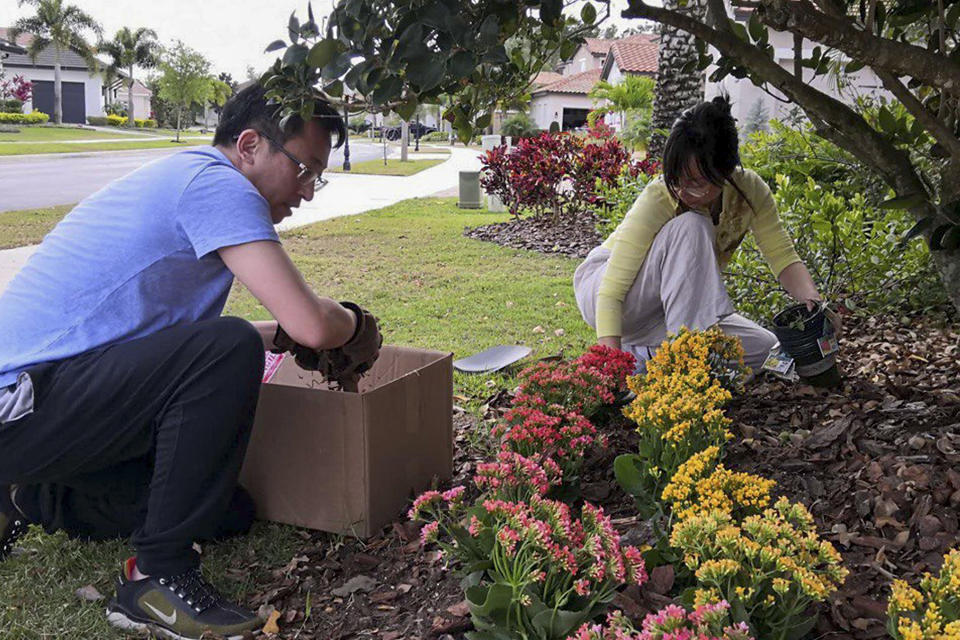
(363, 348)
(344, 364)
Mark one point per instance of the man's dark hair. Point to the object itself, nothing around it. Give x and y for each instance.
(249, 109)
(707, 134)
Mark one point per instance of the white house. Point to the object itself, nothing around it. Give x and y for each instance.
(745, 95)
(82, 89)
(564, 102)
(117, 91)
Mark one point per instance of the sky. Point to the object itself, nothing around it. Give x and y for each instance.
(230, 33)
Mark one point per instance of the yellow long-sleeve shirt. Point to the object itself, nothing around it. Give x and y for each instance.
(655, 207)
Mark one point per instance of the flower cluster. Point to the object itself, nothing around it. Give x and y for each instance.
(562, 555)
(701, 485)
(678, 408)
(515, 478)
(569, 385)
(931, 612)
(706, 622)
(612, 363)
(773, 564)
(530, 431)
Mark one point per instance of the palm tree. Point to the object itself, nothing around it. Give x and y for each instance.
(61, 26)
(676, 90)
(129, 48)
(633, 93)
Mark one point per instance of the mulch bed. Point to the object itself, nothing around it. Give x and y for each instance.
(874, 461)
(571, 235)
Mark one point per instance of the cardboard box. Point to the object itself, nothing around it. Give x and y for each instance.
(350, 462)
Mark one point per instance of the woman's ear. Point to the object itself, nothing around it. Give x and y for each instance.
(248, 142)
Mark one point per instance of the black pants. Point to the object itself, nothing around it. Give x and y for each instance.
(144, 438)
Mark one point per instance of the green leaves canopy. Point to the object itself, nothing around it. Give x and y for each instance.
(396, 55)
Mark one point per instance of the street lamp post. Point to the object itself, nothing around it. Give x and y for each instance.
(346, 137)
(417, 145)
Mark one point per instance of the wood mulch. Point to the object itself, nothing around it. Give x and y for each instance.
(573, 235)
(876, 462)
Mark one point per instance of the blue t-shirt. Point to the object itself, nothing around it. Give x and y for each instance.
(138, 256)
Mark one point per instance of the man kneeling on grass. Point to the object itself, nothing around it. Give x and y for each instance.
(126, 400)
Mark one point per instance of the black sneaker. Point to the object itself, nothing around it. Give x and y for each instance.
(179, 607)
(12, 523)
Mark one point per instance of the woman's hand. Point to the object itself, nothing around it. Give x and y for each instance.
(832, 315)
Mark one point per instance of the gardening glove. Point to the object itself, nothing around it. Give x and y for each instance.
(344, 364)
(361, 351)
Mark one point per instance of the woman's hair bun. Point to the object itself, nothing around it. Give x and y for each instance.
(722, 104)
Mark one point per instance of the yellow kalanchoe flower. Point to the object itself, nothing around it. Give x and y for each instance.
(930, 612)
(778, 555)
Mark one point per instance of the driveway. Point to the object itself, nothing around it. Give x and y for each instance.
(53, 179)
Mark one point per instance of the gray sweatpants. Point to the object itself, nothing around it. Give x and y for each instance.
(679, 285)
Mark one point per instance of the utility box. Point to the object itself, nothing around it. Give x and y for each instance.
(469, 190)
(351, 462)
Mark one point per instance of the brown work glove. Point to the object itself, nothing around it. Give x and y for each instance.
(343, 364)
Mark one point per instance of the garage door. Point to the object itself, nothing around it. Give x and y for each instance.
(73, 100)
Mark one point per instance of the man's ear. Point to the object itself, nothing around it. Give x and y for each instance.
(247, 144)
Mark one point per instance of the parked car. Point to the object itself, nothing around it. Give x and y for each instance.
(394, 132)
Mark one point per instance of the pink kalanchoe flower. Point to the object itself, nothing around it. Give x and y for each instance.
(425, 498)
(582, 587)
(429, 533)
(454, 495)
(615, 364)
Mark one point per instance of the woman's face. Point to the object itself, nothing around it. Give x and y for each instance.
(695, 190)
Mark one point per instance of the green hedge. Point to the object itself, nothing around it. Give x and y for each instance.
(11, 106)
(36, 117)
(120, 121)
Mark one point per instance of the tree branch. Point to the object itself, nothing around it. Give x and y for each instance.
(841, 121)
(931, 123)
(717, 15)
(800, 16)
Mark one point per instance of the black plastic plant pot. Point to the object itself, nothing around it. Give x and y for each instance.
(809, 338)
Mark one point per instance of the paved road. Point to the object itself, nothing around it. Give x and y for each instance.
(53, 179)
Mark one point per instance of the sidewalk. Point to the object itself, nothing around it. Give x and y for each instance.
(346, 194)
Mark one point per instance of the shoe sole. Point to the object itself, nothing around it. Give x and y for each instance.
(17, 529)
(121, 620)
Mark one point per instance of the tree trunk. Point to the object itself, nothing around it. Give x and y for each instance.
(675, 90)
(130, 122)
(178, 123)
(404, 140)
(57, 104)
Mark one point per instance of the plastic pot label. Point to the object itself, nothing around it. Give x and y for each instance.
(271, 365)
(828, 344)
(780, 364)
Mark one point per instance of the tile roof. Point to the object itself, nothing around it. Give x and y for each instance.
(546, 77)
(68, 59)
(636, 55)
(598, 46)
(579, 83)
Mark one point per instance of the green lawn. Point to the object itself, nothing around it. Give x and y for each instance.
(430, 287)
(17, 149)
(22, 228)
(394, 167)
(58, 134)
